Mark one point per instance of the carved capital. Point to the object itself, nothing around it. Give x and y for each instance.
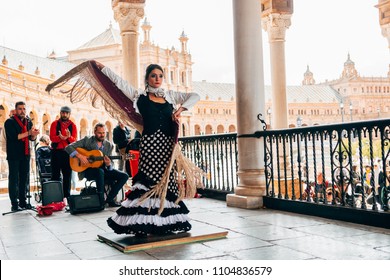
(128, 15)
(386, 32)
(276, 25)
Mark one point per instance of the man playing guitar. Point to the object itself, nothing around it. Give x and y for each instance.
(101, 172)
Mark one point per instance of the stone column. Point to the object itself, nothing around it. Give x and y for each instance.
(276, 18)
(128, 13)
(250, 102)
(384, 18)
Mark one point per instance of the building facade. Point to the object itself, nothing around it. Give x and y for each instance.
(351, 97)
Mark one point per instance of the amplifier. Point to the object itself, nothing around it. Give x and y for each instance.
(86, 203)
(52, 192)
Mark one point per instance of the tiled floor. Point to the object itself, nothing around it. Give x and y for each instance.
(253, 235)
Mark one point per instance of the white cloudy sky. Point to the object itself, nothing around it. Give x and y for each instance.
(321, 35)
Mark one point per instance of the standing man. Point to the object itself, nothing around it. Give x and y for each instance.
(121, 135)
(62, 132)
(19, 130)
(105, 172)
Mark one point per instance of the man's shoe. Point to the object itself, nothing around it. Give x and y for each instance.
(23, 204)
(16, 208)
(113, 203)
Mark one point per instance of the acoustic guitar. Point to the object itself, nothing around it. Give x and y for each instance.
(95, 158)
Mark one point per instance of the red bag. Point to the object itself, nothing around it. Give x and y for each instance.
(45, 210)
(57, 206)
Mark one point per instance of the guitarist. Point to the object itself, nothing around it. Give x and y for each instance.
(105, 172)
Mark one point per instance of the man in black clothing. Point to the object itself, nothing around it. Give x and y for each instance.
(121, 137)
(19, 130)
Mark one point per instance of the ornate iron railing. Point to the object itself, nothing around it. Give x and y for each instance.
(217, 155)
(340, 164)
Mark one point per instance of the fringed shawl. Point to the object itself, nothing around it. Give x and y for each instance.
(96, 87)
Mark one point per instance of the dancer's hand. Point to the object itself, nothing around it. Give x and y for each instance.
(99, 65)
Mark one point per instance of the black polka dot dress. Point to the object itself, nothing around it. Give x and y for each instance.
(140, 218)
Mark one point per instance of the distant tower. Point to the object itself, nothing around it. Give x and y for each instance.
(308, 78)
(52, 55)
(349, 69)
(146, 27)
(4, 61)
(384, 18)
(183, 39)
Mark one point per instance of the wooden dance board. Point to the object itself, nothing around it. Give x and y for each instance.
(130, 243)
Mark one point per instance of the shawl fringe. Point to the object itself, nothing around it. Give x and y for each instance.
(189, 179)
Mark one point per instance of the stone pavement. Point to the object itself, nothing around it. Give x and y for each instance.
(253, 235)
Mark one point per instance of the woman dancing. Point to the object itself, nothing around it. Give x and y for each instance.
(154, 205)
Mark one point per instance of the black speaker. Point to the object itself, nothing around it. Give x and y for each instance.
(86, 203)
(52, 192)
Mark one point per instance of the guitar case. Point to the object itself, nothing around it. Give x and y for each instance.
(85, 202)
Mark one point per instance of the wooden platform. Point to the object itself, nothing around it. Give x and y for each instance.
(130, 243)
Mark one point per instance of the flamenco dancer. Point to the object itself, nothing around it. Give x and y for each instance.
(154, 205)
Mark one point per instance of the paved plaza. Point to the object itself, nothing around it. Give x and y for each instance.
(260, 234)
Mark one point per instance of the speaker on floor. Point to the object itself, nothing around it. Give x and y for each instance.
(86, 203)
(52, 192)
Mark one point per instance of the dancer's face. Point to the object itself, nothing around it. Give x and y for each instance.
(155, 78)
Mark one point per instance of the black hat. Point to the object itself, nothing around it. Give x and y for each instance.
(65, 109)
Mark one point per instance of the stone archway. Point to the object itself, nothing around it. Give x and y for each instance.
(46, 124)
(94, 122)
(220, 129)
(184, 130)
(108, 130)
(197, 129)
(34, 117)
(232, 128)
(209, 129)
(83, 128)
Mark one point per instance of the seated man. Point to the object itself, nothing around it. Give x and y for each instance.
(105, 172)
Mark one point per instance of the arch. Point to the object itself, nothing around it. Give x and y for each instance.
(108, 130)
(46, 124)
(232, 128)
(220, 129)
(3, 114)
(291, 125)
(94, 122)
(183, 129)
(209, 129)
(34, 117)
(197, 130)
(83, 131)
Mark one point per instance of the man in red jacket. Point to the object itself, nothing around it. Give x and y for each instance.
(62, 132)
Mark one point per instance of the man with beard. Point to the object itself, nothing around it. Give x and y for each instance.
(19, 130)
(105, 172)
(62, 132)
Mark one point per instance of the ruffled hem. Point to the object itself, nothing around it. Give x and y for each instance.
(149, 228)
(134, 217)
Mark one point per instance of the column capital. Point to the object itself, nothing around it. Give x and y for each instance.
(128, 14)
(276, 25)
(386, 32)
